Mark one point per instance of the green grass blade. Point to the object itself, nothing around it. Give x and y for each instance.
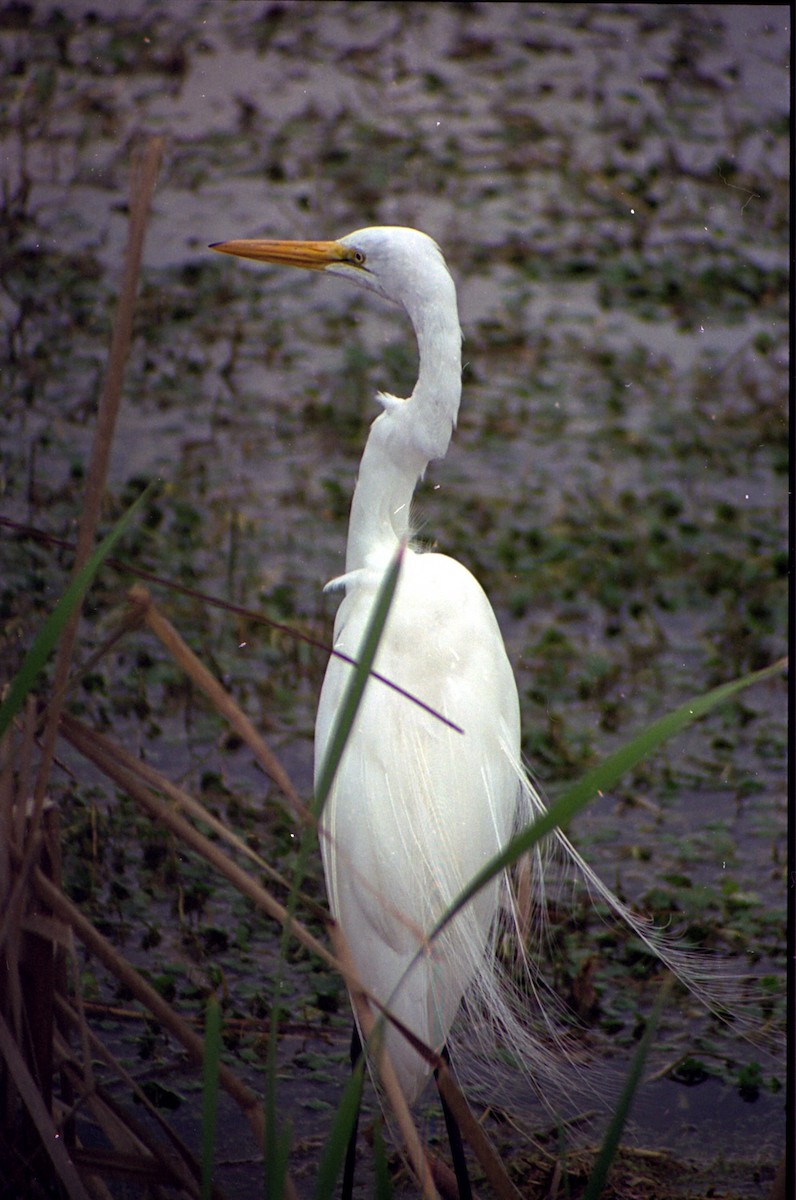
(603, 778)
(48, 635)
(334, 1151)
(357, 682)
(212, 1054)
(382, 1188)
(278, 1133)
(614, 1132)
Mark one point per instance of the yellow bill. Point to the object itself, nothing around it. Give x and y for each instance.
(313, 255)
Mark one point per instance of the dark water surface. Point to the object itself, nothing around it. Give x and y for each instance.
(610, 187)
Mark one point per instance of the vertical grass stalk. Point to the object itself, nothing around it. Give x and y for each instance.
(210, 1061)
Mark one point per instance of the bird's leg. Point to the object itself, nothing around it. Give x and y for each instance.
(455, 1140)
(351, 1152)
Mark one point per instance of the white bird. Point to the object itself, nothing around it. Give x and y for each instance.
(417, 808)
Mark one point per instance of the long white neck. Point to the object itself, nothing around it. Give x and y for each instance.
(409, 433)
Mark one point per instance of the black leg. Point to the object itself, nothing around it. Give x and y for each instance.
(351, 1152)
(455, 1141)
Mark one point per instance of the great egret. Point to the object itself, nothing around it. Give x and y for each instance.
(417, 808)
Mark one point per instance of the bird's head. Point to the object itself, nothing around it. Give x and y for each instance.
(401, 264)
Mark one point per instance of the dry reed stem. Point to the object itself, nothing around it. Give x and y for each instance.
(134, 1150)
(83, 1029)
(99, 1050)
(7, 788)
(14, 814)
(102, 752)
(243, 1096)
(198, 672)
(184, 800)
(11, 932)
(125, 1143)
(477, 1139)
(37, 1109)
(142, 183)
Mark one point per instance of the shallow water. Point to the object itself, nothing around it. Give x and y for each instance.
(610, 187)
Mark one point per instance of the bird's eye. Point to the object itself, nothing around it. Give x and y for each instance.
(357, 257)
